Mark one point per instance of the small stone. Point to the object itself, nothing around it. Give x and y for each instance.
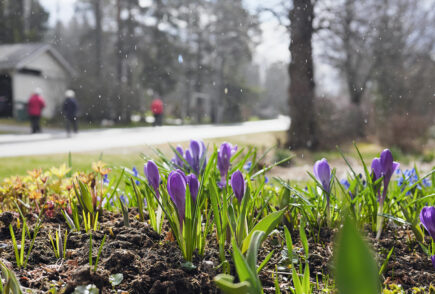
(207, 266)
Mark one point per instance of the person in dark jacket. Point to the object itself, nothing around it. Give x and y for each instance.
(34, 108)
(69, 111)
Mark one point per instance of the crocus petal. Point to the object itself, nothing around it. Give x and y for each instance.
(195, 147)
(376, 168)
(433, 260)
(233, 150)
(177, 191)
(177, 160)
(316, 169)
(238, 185)
(386, 160)
(224, 156)
(322, 171)
(179, 150)
(188, 157)
(193, 182)
(427, 218)
(152, 173)
(203, 149)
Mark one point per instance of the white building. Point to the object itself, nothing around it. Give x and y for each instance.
(24, 67)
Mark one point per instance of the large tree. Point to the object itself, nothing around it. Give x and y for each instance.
(301, 91)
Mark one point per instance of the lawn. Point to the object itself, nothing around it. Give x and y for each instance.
(131, 156)
(128, 157)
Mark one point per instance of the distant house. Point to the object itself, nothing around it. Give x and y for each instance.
(24, 67)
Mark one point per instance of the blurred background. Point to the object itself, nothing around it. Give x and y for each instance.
(340, 69)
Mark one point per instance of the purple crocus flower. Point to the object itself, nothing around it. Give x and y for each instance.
(322, 171)
(226, 150)
(193, 182)
(384, 167)
(433, 260)
(177, 160)
(152, 173)
(195, 156)
(177, 190)
(427, 218)
(238, 185)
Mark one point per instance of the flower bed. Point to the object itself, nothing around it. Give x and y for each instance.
(209, 219)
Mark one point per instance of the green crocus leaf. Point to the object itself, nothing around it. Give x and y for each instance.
(356, 270)
(227, 285)
(265, 225)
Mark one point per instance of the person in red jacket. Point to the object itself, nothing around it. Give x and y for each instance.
(34, 108)
(157, 109)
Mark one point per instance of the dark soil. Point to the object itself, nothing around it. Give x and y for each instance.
(152, 264)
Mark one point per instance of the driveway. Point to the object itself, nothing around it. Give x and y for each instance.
(94, 140)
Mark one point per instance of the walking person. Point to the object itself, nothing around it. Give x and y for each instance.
(157, 109)
(34, 108)
(69, 111)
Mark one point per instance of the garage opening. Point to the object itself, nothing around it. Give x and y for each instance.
(5, 95)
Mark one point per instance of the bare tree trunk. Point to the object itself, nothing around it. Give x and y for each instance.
(301, 91)
(119, 46)
(98, 33)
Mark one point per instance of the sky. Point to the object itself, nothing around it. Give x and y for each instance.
(274, 38)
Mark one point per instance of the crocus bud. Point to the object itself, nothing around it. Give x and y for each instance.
(177, 160)
(238, 185)
(226, 150)
(384, 167)
(388, 166)
(376, 174)
(223, 158)
(152, 173)
(427, 218)
(322, 171)
(177, 191)
(376, 168)
(195, 155)
(193, 182)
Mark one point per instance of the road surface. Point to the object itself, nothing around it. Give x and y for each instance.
(94, 140)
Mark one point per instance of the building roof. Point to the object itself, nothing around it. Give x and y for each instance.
(16, 56)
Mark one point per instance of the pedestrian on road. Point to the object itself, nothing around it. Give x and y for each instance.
(69, 111)
(34, 108)
(157, 109)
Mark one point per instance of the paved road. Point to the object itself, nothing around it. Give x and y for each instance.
(52, 143)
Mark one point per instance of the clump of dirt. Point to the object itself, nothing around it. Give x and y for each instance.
(148, 263)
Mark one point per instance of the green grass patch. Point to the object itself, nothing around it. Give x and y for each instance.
(80, 162)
